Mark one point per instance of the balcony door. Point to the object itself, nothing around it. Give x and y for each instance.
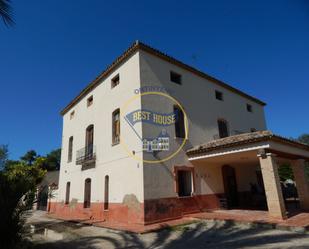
(89, 141)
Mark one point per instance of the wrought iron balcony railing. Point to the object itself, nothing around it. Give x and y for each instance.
(86, 155)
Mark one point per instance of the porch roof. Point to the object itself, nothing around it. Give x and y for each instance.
(248, 140)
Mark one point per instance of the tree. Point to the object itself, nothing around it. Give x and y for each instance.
(304, 139)
(29, 157)
(3, 156)
(53, 160)
(18, 181)
(6, 12)
(285, 170)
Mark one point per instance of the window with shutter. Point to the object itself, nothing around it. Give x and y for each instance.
(223, 128)
(116, 127)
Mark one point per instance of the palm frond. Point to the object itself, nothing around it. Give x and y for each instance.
(6, 12)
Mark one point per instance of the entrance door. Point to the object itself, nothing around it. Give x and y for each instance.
(230, 186)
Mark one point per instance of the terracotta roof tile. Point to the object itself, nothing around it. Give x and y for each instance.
(242, 139)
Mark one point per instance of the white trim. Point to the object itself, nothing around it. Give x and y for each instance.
(229, 152)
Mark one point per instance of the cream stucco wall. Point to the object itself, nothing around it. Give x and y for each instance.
(197, 96)
(125, 173)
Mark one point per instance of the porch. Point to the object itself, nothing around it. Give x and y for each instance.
(244, 168)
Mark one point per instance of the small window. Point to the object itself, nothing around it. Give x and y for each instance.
(70, 150)
(180, 130)
(67, 193)
(175, 77)
(116, 127)
(223, 128)
(249, 108)
(115, 81)
(87, 193)
(90, 101)
(72, 114)
(219, 95)
(184, 183)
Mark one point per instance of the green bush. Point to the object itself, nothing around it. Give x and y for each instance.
(17, 190)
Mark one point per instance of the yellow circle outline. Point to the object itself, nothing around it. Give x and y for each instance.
(125, 106)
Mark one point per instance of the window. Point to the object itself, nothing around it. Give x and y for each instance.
(175, 77)
(70, 152)
(89, 141)
(223, 128)
(72, 114)
(67, 193)
(219, 95)
(249, 108)
(90, 101)
(87, 193)
(116, 127)
(180, 130)
(115, 81)
(184, 183)
(106, 193)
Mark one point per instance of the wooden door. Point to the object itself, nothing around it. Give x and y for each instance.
(230, 186)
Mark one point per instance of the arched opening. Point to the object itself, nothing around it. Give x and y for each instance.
(89, 142)
(180, 128)
(116, 126)
(70, 149)
(87, 193)
(67, 193)
(106, 192)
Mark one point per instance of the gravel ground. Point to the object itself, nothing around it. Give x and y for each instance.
(49, 233)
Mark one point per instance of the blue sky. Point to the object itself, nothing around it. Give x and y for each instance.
(57, 47)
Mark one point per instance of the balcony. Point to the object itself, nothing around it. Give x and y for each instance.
(86, 156)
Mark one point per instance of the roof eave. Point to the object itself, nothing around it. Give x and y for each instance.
(274, 138)
(138, 45)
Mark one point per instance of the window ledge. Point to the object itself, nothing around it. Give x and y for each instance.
(177, 138)
(116, 143)
(183, 197)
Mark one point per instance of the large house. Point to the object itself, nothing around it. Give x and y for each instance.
(152, 139)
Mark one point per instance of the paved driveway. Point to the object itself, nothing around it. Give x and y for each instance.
(50, 233)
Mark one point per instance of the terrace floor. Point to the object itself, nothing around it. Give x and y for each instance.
(297, 221)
